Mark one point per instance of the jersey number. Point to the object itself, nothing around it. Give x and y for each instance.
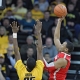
(29, 78)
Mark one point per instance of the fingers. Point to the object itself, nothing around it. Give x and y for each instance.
(10, 25)
(14, 24)
(35, 26)
(18, 27)
(38, 22)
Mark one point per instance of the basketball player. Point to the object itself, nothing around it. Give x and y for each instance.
(33, 69)
(59, 68)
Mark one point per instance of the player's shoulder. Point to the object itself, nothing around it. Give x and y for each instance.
(40, 62)
(62, 55)
(18, 63)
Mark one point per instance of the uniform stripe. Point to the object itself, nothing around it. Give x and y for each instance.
(48, 65)
(59, 68)
(56, 73)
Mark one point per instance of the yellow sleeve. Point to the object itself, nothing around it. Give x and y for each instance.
(39, 64)
(19, 66)
(40, 67)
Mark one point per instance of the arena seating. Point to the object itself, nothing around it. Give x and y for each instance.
(74, 71)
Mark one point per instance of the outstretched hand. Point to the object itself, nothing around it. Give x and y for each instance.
(14, 27)
(61, 19)
(38, 26)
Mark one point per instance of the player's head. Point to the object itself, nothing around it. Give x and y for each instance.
(67, 46)
(31, 63)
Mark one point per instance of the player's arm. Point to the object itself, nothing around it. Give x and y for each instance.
(60, 63)
(38, 28)
(15, 43)
(57, 34)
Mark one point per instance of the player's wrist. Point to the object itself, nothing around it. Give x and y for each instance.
(14, 35)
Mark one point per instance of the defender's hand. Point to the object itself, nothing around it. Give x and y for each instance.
(38, 26)
(14, 27)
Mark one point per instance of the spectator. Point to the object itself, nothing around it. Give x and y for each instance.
(28, 4)
(9, 57)
(10, 60)
(77, 33)
(50, 48)
(27, 24)
(76, 4)
(4, 67)
(3, 40)
(36, 13)
(46, 69)
(46, 24)
(51, 32)
(43, 5)
(6, 24)
(47, 57)
(29, 43)
(7, 13)
(52, 9)
(59, 1)
(29, 53)
(9, 44)
(72, 16)
(19, 10)
(8, 3)
(10, 38)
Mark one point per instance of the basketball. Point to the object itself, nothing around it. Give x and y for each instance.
(60, 10)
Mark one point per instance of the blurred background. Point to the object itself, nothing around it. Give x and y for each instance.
(25, 13)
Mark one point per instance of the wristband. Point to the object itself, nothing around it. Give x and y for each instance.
(14, 35)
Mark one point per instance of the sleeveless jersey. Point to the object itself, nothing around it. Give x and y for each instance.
(59, 74)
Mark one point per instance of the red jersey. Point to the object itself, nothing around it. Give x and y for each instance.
(59, 74)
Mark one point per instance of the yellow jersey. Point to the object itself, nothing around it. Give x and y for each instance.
(35, 74)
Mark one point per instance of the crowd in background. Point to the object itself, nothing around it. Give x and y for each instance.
(25, 13)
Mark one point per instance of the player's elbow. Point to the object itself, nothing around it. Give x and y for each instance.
(60, 63)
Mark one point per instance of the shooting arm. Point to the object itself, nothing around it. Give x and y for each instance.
(60, 63)
(57, 35)
(16, 50)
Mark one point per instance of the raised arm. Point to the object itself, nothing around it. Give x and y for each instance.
(57, 34)
(15, 43)
(38, 28)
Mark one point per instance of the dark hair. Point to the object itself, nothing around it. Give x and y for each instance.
(47, 11)
(70, 46)
(36, 5)
(31, 63)
(6, 19)
(46, 53)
